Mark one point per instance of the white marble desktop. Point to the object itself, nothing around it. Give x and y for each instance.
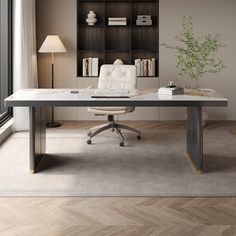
(85, 95)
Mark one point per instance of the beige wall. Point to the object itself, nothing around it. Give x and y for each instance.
(210, 16)
(58, 17)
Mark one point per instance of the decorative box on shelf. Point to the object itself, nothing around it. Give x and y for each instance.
(144, 20)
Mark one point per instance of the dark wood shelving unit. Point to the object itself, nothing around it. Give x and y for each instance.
(125, 42)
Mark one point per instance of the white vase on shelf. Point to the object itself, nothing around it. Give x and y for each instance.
(118, 62)
(91, 20)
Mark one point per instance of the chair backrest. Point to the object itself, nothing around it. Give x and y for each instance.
(117, 77)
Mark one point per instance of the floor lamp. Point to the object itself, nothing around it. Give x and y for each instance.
(52, 44)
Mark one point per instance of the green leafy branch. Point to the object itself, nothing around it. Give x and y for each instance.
(196, 57)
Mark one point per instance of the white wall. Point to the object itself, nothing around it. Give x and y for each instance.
(210, 16)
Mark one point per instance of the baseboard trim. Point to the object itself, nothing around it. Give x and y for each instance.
(6, 131)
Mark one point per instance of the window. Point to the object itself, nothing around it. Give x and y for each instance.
(5, 58)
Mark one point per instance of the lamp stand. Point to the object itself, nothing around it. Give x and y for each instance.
(52, 123)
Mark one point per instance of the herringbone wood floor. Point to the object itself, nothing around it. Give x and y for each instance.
(120, 216)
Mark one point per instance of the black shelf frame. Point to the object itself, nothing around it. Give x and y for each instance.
(126, 42)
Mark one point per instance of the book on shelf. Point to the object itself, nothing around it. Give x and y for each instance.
(90, 66)
(137, 63)
(150, 68)
(145, 67)
(94, 66)
(142, 68)
(117, 18)
(85, 67)
(117, 21)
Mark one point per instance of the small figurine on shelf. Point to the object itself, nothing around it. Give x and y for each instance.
(91, 20)
(118, 62)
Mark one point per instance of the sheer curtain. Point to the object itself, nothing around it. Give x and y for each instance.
(24, 55)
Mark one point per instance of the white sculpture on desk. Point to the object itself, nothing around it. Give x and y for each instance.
(91, 20)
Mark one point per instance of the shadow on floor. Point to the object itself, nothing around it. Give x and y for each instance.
(219, 163)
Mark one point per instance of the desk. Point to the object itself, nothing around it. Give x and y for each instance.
(38, 99)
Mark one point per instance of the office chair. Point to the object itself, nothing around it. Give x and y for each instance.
(115, 77)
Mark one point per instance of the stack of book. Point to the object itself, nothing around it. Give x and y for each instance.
(117, 21)
(170, 90)
(90, 66)
(145, 67)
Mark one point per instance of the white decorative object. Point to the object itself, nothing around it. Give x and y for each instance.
(118, 62)
(91, 20)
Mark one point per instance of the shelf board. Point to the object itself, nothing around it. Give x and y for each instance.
(144, 50)
(96, 77)
(115, 1)
(95, 26)
(118, 50)
(86, 1)
(91, 50)
(134, 26)
(131, 1)
(113, 26)
(139, 26)
(91, 26)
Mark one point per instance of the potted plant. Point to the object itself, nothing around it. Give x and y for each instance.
(196, 56)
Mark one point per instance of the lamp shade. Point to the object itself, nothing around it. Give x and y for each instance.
(52, 44)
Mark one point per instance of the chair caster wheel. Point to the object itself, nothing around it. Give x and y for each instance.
(139, 137)
(122, 144)
(89, 142)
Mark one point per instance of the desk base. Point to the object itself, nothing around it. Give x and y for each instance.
(195, 137)
(37, 119)
(37, 136)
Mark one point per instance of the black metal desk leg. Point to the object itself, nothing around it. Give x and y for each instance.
(37, 119)
(195, 137)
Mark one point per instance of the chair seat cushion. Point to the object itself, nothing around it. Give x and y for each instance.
(110, 110)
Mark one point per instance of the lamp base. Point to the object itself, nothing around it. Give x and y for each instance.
(53, 124)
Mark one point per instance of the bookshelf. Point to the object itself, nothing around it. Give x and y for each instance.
(125, 42)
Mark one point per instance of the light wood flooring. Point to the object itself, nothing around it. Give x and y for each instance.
(118, 216)
(121, 216)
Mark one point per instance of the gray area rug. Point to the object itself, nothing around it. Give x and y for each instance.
(153, 166)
